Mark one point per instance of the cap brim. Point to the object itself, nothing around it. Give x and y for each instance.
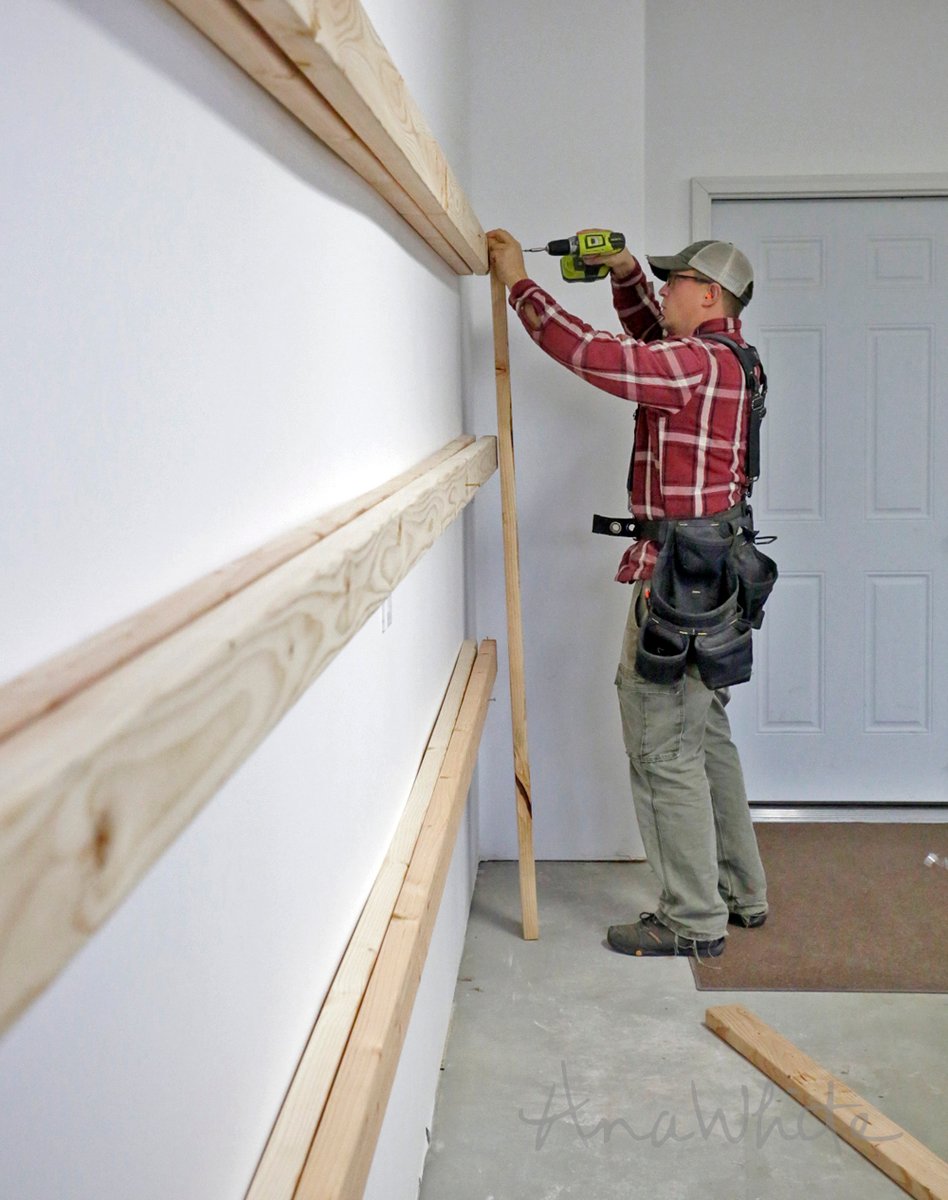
(663, 267)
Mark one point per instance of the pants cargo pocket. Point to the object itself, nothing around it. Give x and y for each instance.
(653, 717)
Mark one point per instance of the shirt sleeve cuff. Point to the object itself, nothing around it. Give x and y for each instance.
(635, 280)
(518, 291)
(523, 292)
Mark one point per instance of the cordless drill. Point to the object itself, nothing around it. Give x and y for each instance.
(572, 250)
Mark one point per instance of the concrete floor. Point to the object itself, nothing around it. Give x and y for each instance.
(550, 1038)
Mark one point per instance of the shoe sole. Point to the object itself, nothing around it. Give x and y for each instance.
(701, 950)
(710, 952)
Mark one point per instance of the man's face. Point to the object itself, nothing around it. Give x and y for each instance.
(682, 295)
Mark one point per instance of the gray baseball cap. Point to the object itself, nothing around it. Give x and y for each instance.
(720, 261)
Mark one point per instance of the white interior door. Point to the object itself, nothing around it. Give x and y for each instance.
(849, 700)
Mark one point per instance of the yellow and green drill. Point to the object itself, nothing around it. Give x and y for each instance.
(572, 250)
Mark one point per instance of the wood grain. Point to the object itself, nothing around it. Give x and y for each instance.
(518, 689)
(226, 24)
(94, 791)
(336, 47)
(281, 1165)
(341, 1155)
(54, 682)
(905, 1160)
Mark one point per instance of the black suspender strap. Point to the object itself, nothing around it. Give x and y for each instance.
(756, 382)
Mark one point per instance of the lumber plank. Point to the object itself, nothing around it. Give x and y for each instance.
(518, 691)
(341, 1155)
(902, 1157)
(336, 47)
(226, 24)
(93, 792)
(50, 684)
(284, 1157)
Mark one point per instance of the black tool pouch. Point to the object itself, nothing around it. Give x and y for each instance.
(756, 576)
(725, 656)
(662, 652)
(693, 598)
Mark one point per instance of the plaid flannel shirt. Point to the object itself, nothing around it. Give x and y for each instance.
(693, 410)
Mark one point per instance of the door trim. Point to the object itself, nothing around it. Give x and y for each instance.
(706, 189)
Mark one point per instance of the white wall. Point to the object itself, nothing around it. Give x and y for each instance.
(557, 145)
(768, 88)
(213, 330)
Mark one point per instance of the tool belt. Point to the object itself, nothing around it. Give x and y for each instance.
(707, 593)
(657, 530)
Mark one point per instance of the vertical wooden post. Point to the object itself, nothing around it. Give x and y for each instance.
(518, 697)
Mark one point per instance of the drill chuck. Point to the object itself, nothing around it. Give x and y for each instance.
(562, 246)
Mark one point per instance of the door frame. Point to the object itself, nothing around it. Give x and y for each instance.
(704, 191)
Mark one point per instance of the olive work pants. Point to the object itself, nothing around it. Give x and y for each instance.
(688, 791)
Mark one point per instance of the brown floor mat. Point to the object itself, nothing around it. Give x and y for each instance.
(853, 908)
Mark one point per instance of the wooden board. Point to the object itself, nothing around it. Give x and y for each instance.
(518, 691)
(281, 1165)
(226, 24)
(52, 683)
(335, 46)
(93, 792)
(341, 1155)
(904, 1159)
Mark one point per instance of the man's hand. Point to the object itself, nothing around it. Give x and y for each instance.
(622, 263)
(506, 257)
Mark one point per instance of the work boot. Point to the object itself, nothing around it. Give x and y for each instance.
(748, 920)
(649, 937)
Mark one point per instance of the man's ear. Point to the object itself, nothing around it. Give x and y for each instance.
(712, 294)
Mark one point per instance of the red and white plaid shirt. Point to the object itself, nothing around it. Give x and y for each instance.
(693, 409)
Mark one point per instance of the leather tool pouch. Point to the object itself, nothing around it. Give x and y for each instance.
(705, 574)
(662, 652)
(756, 576)
(725, 656)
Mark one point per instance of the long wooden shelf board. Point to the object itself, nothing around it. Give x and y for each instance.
(284, 1157)
(243, 41)
(51, 684)
(341, 1155)
(92, 793)
(336, 47)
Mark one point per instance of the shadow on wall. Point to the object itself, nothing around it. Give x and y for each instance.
(161, 37)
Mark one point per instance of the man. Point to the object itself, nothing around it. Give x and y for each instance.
(688, 461)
